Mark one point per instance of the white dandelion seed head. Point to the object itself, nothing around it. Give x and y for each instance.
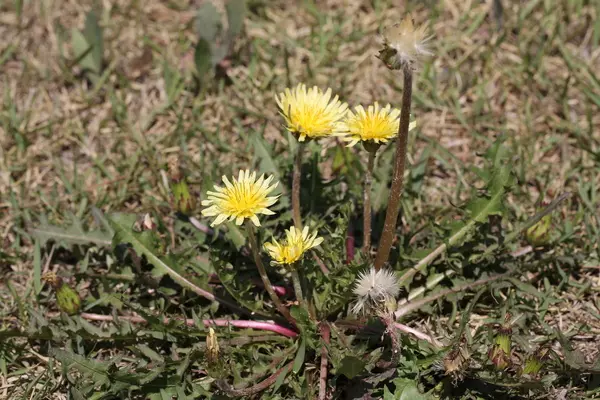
(374, 289)
(404, 43)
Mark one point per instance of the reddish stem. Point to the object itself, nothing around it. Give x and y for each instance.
(260, 325)
(325, 334)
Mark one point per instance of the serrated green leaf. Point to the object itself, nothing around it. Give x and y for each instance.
(236, 11)
(351, 367)
(65, 237)
(98, 371)
(235, 235)
(151, 354)
(37, 268)
(203, 58)
(266, 163)
(122, 226)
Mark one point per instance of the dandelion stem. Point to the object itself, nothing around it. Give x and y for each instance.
(296, 186)
(263, 274)
(393, 208)
(367, 204)
(298, 287)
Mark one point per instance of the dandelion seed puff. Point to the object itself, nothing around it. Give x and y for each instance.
(404, 43)
(374, 288)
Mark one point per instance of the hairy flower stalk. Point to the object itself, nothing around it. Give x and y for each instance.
(309, 114)
(371, 127)
(296, 178)
(263, 274)
(403, 44)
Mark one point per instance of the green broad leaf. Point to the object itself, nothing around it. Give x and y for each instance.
(351, 367)
(93, 34)
(235, 235)
(203, 58)
(66, 237)
(280, 379)
(406, 389)
(122, 224)
(97, 371)
(37, 268)
(242, 290)
(236, 11)
(151, 354)
(299, 360)
(208, 22)
(266, 161)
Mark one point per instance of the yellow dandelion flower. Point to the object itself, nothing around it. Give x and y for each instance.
(244, 198)
(296, 243)
(310, 113)
(404, 43)
(376, 124)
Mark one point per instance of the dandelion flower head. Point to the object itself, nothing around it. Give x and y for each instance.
(376, 124)
(244, 197)
(404, 43)
(311, 113)
(374, 289)
(296, 243)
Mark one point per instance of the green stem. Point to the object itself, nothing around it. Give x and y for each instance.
(296, 186)
(393, 208)
(263, 274)
(298, 287)
(367, 204)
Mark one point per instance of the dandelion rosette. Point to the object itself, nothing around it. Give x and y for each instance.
(375, 290)
(296, 243)
(404, 43)
(374, 126)
(243, 198)
(311, 113)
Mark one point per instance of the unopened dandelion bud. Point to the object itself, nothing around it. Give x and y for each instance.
(403, 44)
(67, 299)
(183, 201)
(212, 347)
(539, 234)
(500, 352)
(456, 360)
(535, 362)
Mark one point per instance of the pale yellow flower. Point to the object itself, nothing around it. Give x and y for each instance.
(404, 43)
(376, 124)
(310, 113)
(296, 243)
(244, 198)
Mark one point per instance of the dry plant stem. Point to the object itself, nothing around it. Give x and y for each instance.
(393, 207)
(325, 335)
(298, 287)
(263, 274)
(296, 186)
(367, 204)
